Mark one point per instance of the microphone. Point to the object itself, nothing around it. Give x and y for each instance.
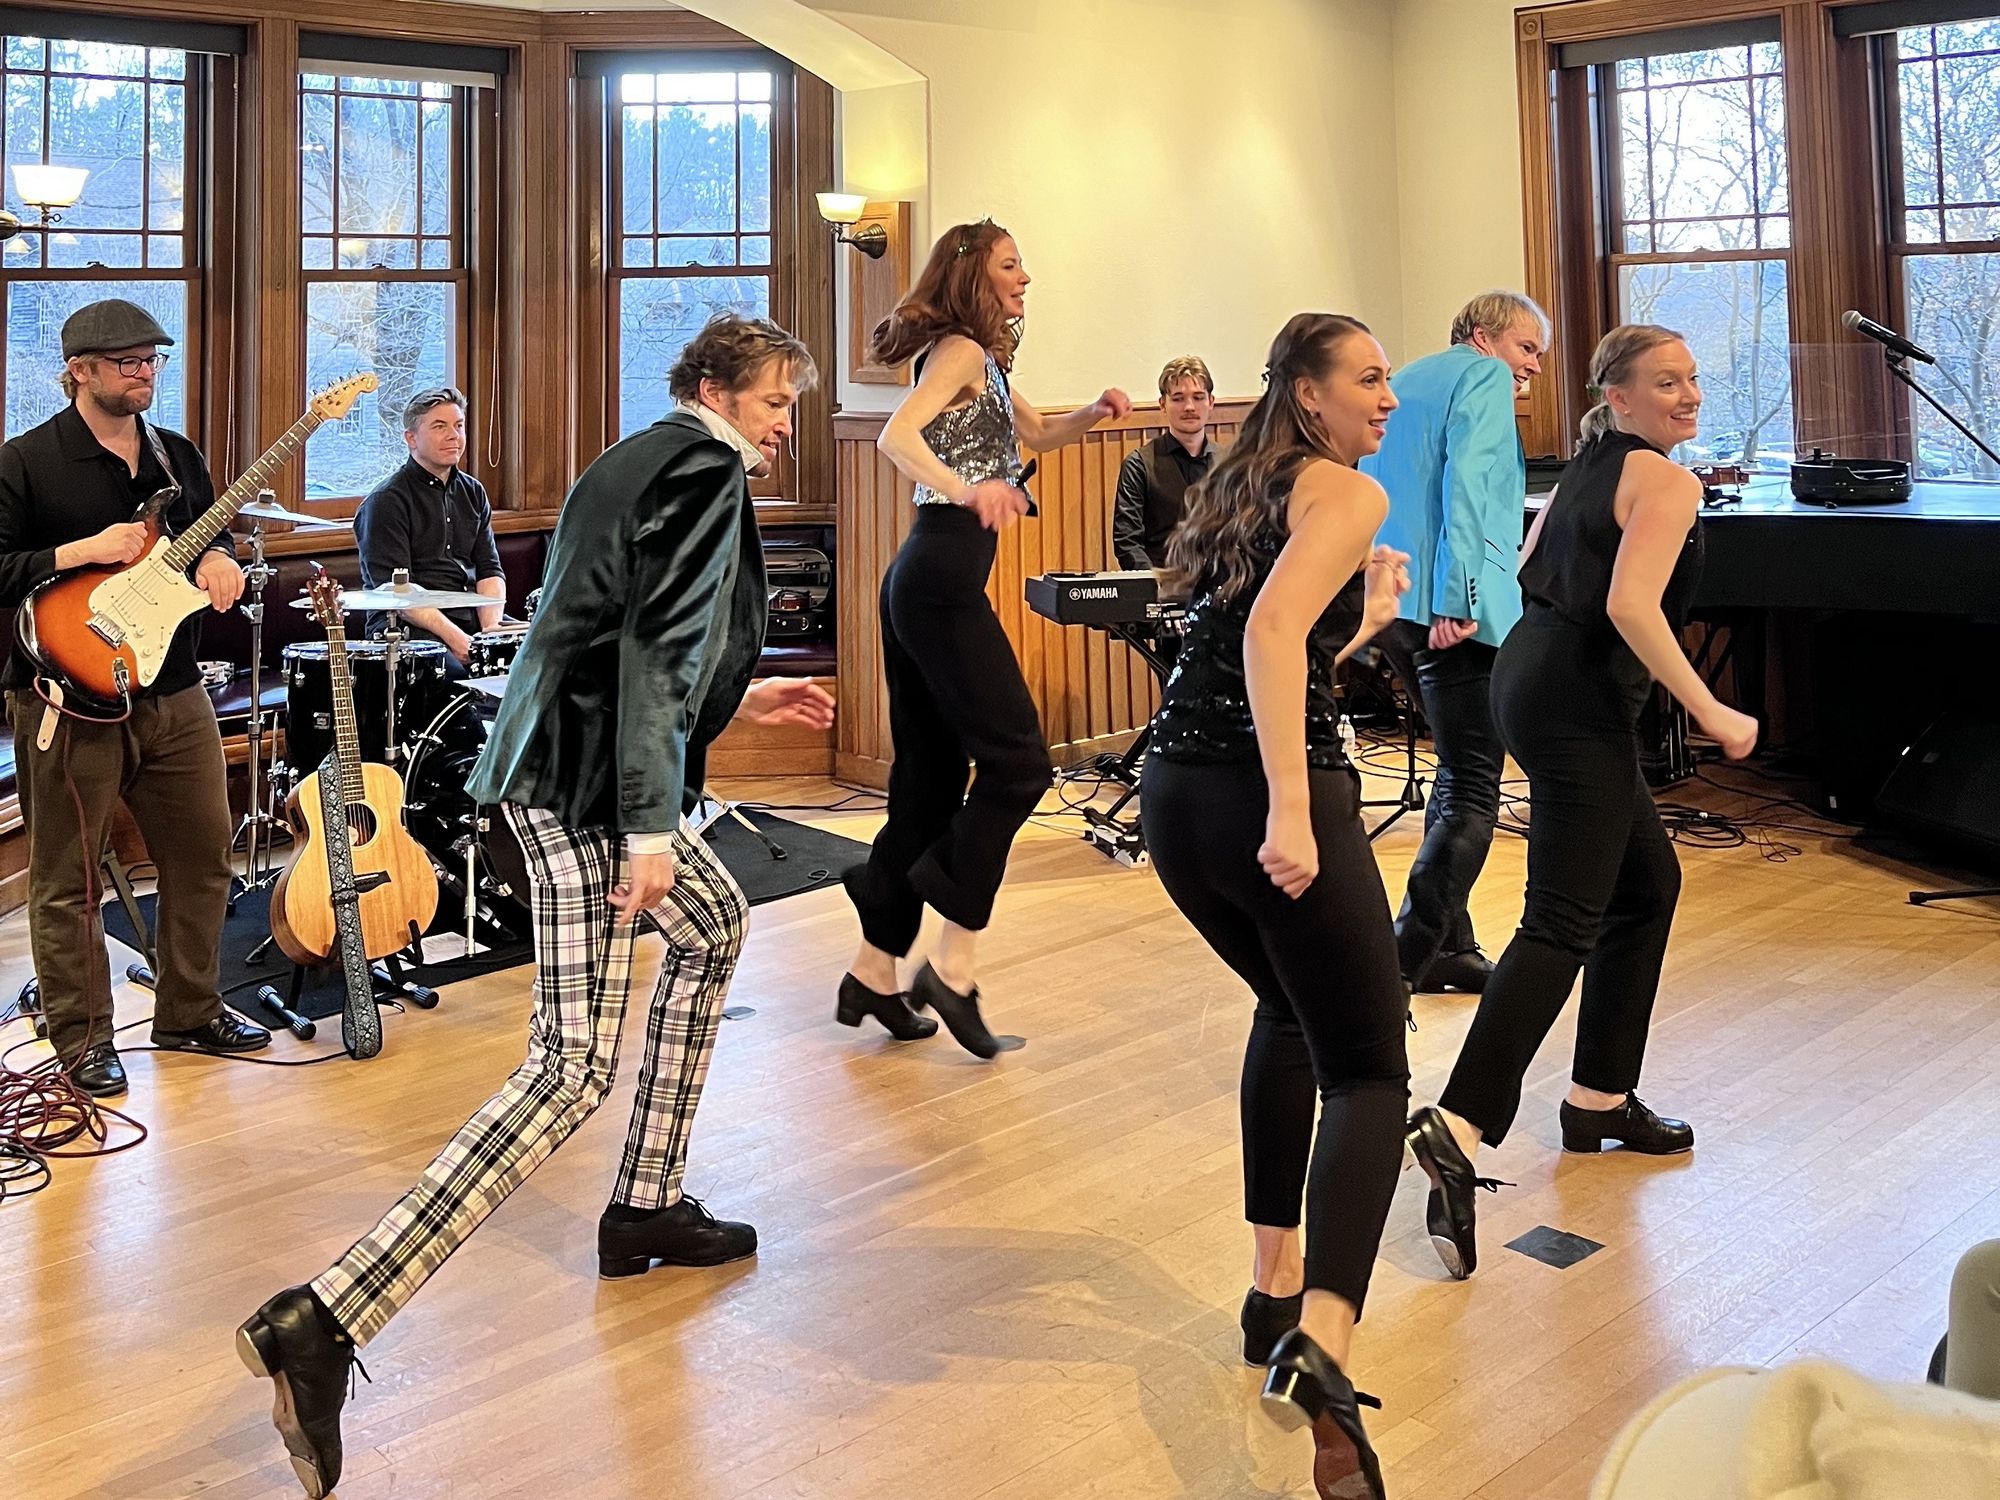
(1888, 338)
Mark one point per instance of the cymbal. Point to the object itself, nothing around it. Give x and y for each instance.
(264, 510)
(392, 598)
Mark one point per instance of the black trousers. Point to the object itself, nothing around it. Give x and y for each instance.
(1456, 690)
(1328, 1030)
(957, 703)
(1602, 881)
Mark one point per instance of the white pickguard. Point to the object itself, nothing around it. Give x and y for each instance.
(141, 608)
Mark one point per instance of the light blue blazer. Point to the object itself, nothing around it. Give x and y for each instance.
(1457, 484)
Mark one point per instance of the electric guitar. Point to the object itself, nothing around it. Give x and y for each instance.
(102, 631)
(360, 883)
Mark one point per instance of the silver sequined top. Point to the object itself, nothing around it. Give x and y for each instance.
(976, 442)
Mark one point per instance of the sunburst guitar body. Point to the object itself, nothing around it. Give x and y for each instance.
(102, 632)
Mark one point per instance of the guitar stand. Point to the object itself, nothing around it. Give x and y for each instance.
(392, 982)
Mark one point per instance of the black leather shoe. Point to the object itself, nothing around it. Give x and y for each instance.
(1305, 1388)
(683, 1234)
(959, 1012)
(228, 1032)
(1264, 1321)
(290, 1342)
(1466, 972)
(1450, 1211)
(893, 1011)
(98, 1072)
(1632, 1125)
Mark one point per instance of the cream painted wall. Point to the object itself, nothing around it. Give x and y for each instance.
(1458, 160)
(1181, 178)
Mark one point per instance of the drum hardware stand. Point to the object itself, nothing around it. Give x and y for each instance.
(258, 828)
(701, 820)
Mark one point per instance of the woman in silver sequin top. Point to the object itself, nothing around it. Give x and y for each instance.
(957, 701)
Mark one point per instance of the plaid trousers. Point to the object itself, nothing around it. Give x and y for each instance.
(583, 971)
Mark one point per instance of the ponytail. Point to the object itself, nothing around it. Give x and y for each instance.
(1612, 364)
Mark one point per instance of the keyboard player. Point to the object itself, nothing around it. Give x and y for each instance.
(1154, 480)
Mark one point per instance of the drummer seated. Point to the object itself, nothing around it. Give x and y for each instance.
(433, 520)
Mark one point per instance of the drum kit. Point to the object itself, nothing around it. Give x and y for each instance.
(400, 685)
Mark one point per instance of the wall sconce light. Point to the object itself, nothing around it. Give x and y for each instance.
(842, 209)
(45, 189)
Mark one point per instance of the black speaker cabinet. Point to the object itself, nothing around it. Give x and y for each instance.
(1945, 790)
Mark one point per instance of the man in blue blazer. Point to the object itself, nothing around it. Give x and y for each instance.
(1456, 477)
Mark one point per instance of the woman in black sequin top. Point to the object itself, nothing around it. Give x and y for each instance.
(1252, 816)
(1608, 571)
(957, 701)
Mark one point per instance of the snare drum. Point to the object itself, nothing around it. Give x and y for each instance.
(420, 672)
(492, 652)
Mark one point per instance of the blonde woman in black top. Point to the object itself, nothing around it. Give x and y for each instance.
(1609, 570)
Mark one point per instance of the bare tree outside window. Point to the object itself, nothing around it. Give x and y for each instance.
(1702, 234)
(383, 254)
(121, 112)
(1945, 232)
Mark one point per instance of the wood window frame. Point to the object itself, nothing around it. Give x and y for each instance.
(196, 239)
(467, 221)
(802, 151)
(1839, 252)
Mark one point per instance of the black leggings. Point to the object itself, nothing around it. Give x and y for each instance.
(956, 702)
(1602, 880)
(1328, 1031)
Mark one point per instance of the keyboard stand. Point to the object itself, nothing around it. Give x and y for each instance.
(1110, 830)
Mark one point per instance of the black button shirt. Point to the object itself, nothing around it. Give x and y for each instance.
(441, 530)
(1152, 496)
(59, 484)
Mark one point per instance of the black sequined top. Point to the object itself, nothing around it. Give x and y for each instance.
(1204, 716)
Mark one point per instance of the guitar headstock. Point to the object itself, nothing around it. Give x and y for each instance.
(323, 589)
(333, 403)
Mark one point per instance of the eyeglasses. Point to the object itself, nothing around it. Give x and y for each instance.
(129, 365)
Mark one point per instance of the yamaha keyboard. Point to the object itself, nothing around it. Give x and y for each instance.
(1101, 599)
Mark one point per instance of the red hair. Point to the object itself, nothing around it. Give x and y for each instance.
(952, 295)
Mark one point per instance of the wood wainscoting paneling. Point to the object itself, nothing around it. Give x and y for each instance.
(1092, 692)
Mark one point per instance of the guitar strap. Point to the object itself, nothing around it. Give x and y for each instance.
(160, 452)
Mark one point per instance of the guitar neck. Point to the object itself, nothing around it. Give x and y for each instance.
(346, 740)
(189, 545)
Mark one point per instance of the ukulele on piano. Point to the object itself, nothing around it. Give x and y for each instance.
(360, 882)
(102, 631)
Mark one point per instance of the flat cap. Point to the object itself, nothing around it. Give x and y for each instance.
(111, 324)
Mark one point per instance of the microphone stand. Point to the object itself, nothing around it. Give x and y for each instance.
(1899, 366)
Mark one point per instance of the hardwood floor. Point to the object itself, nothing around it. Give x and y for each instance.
(1019, 1280)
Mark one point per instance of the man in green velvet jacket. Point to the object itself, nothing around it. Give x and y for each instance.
(650, 625)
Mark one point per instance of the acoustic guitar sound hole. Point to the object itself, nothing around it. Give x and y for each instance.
(361, 825)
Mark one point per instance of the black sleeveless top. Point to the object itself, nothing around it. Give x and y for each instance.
(1567, 578)
(1204, 716)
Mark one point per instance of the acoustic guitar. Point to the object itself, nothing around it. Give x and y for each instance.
(355, 858)
(102, 631)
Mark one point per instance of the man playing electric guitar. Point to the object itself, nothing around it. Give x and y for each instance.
(68, 491)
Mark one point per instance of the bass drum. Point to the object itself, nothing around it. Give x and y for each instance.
(456, 830)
